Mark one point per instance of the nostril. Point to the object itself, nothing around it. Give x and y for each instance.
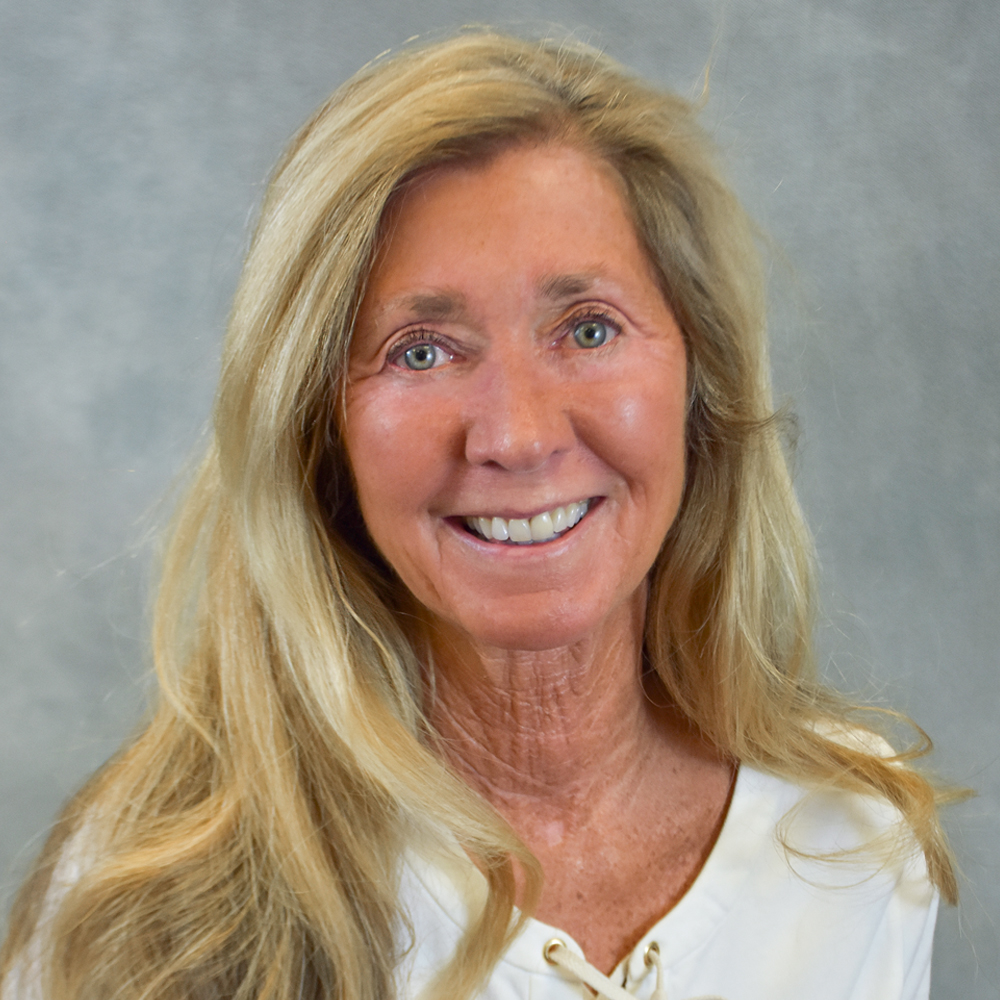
(516, 417)
(517, 443)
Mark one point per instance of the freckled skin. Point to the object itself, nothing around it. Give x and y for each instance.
(488, 275)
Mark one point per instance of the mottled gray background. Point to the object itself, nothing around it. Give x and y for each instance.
(135, 136)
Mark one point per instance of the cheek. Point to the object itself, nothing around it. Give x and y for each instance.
(632, 416)
(367, 429)
(394, 448)
(642, 422)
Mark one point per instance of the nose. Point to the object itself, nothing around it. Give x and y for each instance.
(518, 418)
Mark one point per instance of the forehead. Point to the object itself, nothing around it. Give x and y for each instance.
(549, 216)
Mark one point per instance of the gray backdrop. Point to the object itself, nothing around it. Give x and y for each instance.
(135, 136)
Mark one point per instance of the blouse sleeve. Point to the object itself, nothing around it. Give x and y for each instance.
(24, 980)
(917, 947)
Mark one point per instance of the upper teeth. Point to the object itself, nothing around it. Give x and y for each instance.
(525, 530)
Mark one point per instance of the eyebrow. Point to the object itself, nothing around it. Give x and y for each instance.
(435, 306)
(441, 306)
(564, 286)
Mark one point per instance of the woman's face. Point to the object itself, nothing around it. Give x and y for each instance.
(514, 365)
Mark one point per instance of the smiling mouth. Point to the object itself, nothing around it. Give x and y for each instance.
(528, 530)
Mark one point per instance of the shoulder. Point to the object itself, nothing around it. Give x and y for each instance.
(821, 891)
(24, 978)
(825, 834)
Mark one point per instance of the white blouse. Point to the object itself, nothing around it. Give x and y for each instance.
(760, 922)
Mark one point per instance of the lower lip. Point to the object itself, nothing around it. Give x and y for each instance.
(458, 525)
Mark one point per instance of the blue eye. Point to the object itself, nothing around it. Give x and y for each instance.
(421, 357)
(591, 333)
(420, 351)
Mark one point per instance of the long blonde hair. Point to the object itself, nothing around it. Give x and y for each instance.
(247, 842)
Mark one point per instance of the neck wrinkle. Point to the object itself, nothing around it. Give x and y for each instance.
(544, 728)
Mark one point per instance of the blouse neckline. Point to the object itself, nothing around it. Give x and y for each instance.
(458, 888)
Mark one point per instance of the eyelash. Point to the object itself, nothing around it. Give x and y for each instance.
(430, 337)
(588, 315)
(415, 337)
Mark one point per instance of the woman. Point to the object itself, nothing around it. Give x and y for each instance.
(484, 631)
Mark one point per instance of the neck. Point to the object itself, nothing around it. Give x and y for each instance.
(544, 729)
(619, 799)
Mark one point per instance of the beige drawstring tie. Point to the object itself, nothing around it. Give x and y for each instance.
(556, 953)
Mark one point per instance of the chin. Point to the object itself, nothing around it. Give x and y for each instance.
(535, 630)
